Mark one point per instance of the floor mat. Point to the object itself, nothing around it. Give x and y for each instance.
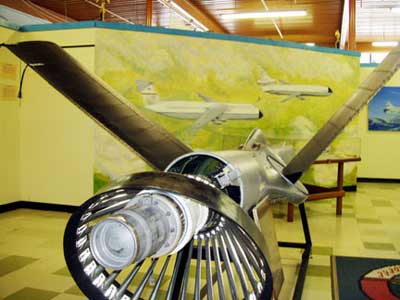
(357, 278)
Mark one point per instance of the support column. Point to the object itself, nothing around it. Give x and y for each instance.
(352, 25)
(149, 12)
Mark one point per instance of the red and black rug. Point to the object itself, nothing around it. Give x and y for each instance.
(358, 278)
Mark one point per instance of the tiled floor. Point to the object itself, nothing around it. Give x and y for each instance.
(369, 227)
(31, 253)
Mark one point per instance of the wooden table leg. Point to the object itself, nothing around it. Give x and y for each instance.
(339, 200)
(290, 212)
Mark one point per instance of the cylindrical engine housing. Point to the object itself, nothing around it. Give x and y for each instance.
(247, 176)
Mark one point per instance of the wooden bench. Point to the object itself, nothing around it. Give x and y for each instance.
(318, 193)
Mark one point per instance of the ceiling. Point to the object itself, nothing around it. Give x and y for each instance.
(373, 18)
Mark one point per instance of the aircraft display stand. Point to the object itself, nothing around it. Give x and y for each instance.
(298, 291)
(318, 193)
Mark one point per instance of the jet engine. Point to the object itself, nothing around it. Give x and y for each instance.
(181, 233)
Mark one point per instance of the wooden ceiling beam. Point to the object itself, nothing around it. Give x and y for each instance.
(201, 16)
(301, 38)
(149, 12)
(352, 25)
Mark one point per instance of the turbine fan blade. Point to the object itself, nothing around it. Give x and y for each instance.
(365, 92)
(226, 259)
(101, 102)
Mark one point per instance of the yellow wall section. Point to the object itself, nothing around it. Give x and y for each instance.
(9, 133)
(380, 152)
(56, 143)
(5, 34)
(53, 152)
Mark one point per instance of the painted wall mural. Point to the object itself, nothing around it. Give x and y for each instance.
(211, 93)
(384, 110)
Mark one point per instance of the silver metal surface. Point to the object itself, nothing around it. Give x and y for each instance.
(227, 263)
(114, 243)
(209, 279)
(101, 102)
(218, 267)
(186, 272)
(256, 173)
(198, 268)
(157, 286)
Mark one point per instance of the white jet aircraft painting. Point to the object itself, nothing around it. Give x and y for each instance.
(203, 112)
(300, 91)
(391, 109)
(384, 110)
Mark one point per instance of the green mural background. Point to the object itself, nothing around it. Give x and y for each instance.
(180, 67)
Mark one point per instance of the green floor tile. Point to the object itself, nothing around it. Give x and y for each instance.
(368, 221)
(13, 263)
(319, 271)
(379, 246)
(381, 203)
(347, 215)
(28, 293)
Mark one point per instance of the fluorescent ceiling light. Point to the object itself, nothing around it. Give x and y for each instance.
(267, 14)
(385, 44)
(184, 15)
(395, 10)
(310, 44)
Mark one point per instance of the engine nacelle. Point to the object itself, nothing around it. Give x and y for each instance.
(247, 175)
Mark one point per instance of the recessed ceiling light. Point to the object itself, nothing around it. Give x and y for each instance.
(385, 44)
(266, 14)
(310, 44)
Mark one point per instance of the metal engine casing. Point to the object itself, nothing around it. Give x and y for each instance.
(256, 174)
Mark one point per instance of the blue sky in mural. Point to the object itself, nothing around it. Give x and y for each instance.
(381, 115)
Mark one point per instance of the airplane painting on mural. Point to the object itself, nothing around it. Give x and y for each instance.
(291, 90)
(384, 110)
(208, 110)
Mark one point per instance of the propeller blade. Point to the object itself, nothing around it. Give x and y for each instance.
(365, 92)
(152, 142)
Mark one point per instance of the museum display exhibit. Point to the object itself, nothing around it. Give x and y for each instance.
(175, 153)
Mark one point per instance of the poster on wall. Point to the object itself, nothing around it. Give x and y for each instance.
(8, 81)
(212, 93)
(384, 110)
